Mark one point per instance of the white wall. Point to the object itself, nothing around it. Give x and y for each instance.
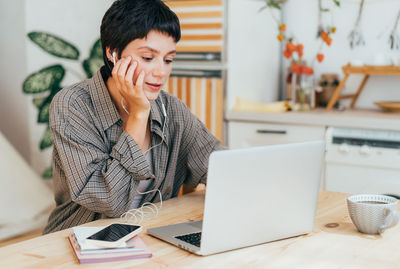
(13, 103)
(77, 22)
(252, 53)
(377, 22)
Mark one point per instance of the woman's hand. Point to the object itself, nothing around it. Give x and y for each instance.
(135, 100)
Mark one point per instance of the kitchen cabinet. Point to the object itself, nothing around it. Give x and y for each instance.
(250, 134)
(362, 146)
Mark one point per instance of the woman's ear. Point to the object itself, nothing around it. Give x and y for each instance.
(111, 55)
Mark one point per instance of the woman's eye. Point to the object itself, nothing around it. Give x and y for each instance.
(147, 59)
(168, 61)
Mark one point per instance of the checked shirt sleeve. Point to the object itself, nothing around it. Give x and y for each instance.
(102, 181)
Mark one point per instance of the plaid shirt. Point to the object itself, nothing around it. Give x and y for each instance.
(97, 166)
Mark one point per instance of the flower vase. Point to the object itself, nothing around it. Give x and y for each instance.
(303, 92)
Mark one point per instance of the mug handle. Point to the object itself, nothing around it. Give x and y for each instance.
(391, 219)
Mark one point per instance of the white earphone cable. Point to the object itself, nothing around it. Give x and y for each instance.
(147, 209)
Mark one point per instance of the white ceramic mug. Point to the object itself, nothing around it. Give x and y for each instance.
(373, 213)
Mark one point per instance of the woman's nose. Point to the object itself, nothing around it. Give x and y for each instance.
(160, 69)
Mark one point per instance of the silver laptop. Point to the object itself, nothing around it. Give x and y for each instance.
(254, 195)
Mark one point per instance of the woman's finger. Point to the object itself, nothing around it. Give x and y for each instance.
(115, 69)
(139, 81)
(121, 72)
(129, 76)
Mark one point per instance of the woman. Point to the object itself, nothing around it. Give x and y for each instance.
(117, 134)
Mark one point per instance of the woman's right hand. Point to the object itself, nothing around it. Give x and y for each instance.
(135, 100)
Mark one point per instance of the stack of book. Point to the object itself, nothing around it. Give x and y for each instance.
(133, 249)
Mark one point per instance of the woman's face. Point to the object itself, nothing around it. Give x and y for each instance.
(154, 54)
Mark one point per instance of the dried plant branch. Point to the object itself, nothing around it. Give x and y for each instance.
(320, 27)
(394, 39)
(356, 37)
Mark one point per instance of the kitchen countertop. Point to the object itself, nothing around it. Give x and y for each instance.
(356, 118)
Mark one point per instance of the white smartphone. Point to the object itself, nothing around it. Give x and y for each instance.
(113, 235)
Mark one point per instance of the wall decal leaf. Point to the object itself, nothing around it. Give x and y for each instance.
(91, 66)
(97, 50)
(50, 78)
(44, 80)
(44, 110)
(47, 139)
(54, 45)
(48, 173)
(38, 102)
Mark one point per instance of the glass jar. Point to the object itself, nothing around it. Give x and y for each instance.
(303, 92)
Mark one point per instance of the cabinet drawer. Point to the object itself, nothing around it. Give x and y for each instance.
(250, 134)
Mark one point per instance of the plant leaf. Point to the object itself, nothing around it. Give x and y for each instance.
(337, 3)
(55, 90)
(48, 173)
(43, 116)
(44, 80)
(54, 45)
(38, 102)
(47, 139)
(274, 4)
(97, 50)
(91, 66)
(325, 10)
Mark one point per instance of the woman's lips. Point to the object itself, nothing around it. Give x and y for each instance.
(154, 86)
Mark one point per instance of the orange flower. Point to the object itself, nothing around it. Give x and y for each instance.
(300, 48)
(296, 69)
(328, 41)
(324, 35)
(282, 27)
(308, 70)
(287, 54)
(320, 57)
(281, 37)
(290, 46)
(301, 69)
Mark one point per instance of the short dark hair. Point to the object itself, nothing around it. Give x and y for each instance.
(127, 20)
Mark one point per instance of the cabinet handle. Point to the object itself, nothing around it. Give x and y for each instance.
(266, 131)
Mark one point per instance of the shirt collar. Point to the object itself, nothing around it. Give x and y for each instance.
(155, 111)
(102, 101)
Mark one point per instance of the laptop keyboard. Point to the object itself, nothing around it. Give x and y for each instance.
(193, 238)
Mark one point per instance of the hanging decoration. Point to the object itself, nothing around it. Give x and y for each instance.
(321, 12)
(356, 37)
(394, 39)
(302, 81)
(293, 48)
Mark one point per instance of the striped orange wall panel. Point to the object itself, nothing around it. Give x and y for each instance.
(204, 96)
(202, 25)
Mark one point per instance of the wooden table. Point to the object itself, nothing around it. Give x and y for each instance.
(334, 243)
(366, 71)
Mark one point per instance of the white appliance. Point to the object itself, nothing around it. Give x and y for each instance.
(362, 161)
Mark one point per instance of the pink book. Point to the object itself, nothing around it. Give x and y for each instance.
(138, 252)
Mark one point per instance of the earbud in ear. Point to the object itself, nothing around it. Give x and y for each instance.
(113, 55)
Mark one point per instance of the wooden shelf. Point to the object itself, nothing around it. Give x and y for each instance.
(367, 71)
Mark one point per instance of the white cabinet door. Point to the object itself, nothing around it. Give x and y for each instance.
(250, 134)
